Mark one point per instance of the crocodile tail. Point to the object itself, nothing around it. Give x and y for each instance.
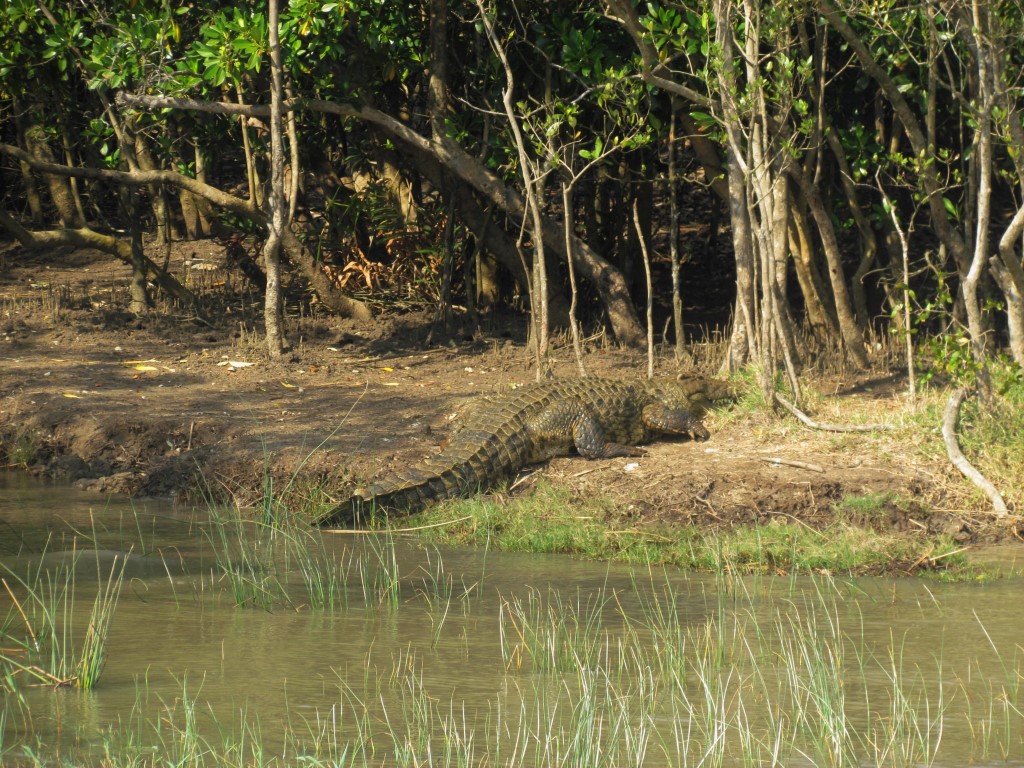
(365, 503)
(470, 465)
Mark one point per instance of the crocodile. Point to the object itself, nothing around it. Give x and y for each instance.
(497, 435)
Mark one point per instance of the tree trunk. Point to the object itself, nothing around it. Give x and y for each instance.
(743, 344)
(277, 201)
(165, 230)
(853, 337)
(604, 277)
(673, 238)
(819, 318)
(206, 213)
(141, 303)
(1014, 309)
(574, 328)
(69, 159)
(250, 164)
(532, 189)
(59, 189)
(35, 202)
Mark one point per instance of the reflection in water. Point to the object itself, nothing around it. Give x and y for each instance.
(483, 658)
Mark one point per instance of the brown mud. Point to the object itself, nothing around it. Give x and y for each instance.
(168, 405)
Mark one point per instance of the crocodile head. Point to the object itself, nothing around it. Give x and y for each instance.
(695, 394)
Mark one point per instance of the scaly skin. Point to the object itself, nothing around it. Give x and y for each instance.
(499, 435)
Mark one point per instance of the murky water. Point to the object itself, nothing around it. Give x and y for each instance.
(430, 657)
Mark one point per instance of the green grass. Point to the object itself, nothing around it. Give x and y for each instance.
(547, 633)
(993, 438)
(550, 521)
(750, 679)
(41, 636)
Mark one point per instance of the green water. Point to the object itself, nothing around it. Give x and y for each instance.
(482, 658)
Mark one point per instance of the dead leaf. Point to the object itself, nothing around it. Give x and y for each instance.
(146, 368)
(69, 394)
(287, 385)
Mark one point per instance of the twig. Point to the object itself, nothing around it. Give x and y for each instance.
(28, 624)
(794, 463)
(949, 421)
(828, 427)
(949, 554)
(397, 530)
(524, 479)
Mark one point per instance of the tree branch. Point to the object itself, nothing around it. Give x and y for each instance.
(949, 420)
(828, 427)
(83, 237)
(329, 294)
(606, 279)
(653, 70)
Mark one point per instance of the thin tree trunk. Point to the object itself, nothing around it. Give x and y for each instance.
(853, 337)
(69, 159)
(673, 239)
(296, 161)
(650, 289)
(538, 297)
(206, 214)
(250, 163)
(811, 286)
(743, 341)
(35, 202)
(141, 303)
(982, 156)
(606, 280)
(59, 189)
(574, 327)
(276, 202)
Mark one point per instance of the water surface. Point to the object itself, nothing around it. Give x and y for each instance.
(487, 658)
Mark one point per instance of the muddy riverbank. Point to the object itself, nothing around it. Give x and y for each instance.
(166, 405)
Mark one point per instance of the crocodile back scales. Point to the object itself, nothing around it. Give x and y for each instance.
(496, 435)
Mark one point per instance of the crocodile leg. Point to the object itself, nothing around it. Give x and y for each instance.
(591, 442)
(661, 419)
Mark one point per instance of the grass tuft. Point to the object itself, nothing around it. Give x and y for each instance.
(549, 521)
(43, 640)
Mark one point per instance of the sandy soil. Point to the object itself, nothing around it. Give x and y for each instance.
(164, 404)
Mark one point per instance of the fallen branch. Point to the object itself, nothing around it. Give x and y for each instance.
(950, 417)
(793, 463)
(828, 427)
(83, 237)
(303, 258)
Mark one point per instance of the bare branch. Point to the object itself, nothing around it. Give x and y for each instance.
(949, 420)
(828, 427)
(654, 71)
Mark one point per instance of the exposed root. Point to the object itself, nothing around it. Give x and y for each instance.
(950, 417)
(828, 427)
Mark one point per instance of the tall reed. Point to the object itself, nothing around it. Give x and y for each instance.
(47, 643)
